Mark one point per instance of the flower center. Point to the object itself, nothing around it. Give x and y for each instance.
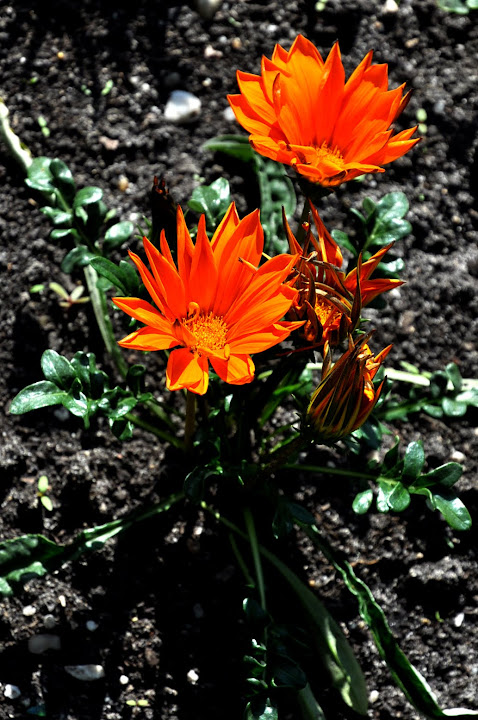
(210, 334)
(326, 154)
(326, 312)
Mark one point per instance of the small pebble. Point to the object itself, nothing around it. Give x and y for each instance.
(373, 697)
(12, 692)
(91, 625)
(458, 456)
(390, 6)
(193, 677)
(182, 107)
(228, 114)
(62, 601)
(458, 620)
(38, 644)
(208, 8)
(29, 610)
(85, 672)
(123, 679)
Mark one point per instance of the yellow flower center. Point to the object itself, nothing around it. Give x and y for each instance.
(210, 333)
(325, 311)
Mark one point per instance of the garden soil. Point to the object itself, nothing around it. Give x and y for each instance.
(160, 607)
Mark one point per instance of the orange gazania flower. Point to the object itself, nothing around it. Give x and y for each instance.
(215, 304)
(301, 112)
(346, 395)
(330, 300)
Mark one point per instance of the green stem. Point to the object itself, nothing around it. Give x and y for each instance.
(190, 422)
(167, 437)
(251, 532)
(240, 561)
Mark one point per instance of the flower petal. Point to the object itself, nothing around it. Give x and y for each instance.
(187, 371)
(237, 370)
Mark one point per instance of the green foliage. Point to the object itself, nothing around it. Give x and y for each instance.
(406, 676)
(275, 187)
(80, 215)
(380, 224)
(443, 394)
(82, 389)
(460, 7)
(212, 200)
(398, 478)
(122, 275)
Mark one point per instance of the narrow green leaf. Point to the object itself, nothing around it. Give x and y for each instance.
(40, 176)
(47, 503)
(446, 475)
(111, 272)
(454, 375)
(25, 557)
(452, 508)
(404, 673)
(308, 705)
(235, 145)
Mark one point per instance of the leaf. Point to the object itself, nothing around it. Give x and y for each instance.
(87, 196)
(452, 508)
(456, 6)
(47, 503)
(413, 461)
(399, 498)
(454, 375)
(403, 672)
(112, 272)
(117, 234)
(40, 176)
(363, 501)
(453, 408)
(39, 395)
(235, 145)
(212, 200)
(309, 706)
(446, 475)
(77, 257)
(57, 369)
(265, 712)
(333, 647)
(63, 179)
(25, 557)
(342, 239)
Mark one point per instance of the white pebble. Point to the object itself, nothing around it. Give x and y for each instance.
(123, 679)
(458, 620)
(29, 610)
(62, 601)
(458, 456)
(38, 644)
(91, 625)
(12, 692)
(390, 6)
(193, 677)
(228, 114)
(182, 107)
(373, 697)
(85, 672)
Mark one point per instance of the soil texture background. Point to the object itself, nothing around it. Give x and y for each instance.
(160, 608)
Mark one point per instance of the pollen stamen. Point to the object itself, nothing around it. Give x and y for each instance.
(210, 333)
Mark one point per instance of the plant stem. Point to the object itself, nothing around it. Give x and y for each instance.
(251, 532)
(167, 437)
(190, 422)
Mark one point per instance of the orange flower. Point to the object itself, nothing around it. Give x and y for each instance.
(215, 304)
(301, 112)
(330, 300)
(346, 395)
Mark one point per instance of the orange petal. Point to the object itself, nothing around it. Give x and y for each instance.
(237, 370)
(144, 312)
(203, 276)
(186, 370)
(149, 339)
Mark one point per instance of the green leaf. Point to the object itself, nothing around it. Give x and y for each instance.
(399, 498)
(333, 648)
(404, 673)
(58, 217)
(39, 395)
(454, 375)
(212, 200)
(47, 503)
(77, 257)
(87, 196)
(117, 234)
(234, 145)
(43, 484)
(57, 369)
(452, 509)
(40, 176)
(63, 179)
(342, 239)
(446, 475)
(25, 557)
(288, 674)
(265, 712)
(472, 4)
(413, 461)
(309, 707)
(363, 501)
(457, 6)
(391, 206)
(453, 408)
(112, 272)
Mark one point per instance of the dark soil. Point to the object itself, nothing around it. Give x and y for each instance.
(166, 598)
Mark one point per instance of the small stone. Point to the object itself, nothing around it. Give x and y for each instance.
(182, 107)
(458, 620)
(236, 43)
(49, 622)
(208, 8)
(390, 6)
(29, 610)
(373, 697)
(62, 601)
(210, 52)
(12, 692)
(85, 673)
(207, 82)
(91, 625)
(228, 114)
(458, 456)
(123, 183)
(38, 644)
(123, 679)
(193, 677)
